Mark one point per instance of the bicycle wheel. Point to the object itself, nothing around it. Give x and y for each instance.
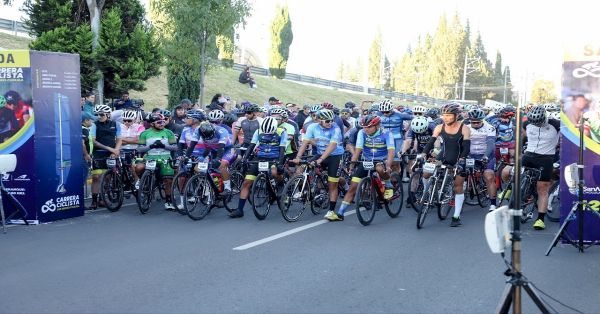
(365, 201)
(428, 196)
(178, 190)
(295, 198)
(111, 190)
(237, 179)
(418, 176)
(260, 197)
(146, 192)
(553, 213)
(470, 190)
(482, 197)
(394, 205)
(199, 196)
(320, 195)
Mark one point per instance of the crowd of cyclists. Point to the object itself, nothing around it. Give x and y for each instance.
(345, 146)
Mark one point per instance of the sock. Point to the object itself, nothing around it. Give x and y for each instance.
(181, 199)
(331, 206)
(343, 207)
(458, 203)
(493, 201)
(227, 184)
(241, 204)
(541, 216)
(388, 184)
(94, 198)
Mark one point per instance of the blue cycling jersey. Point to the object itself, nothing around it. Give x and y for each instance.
(323, 137)
(375, 146)
(267, 145)
(395, 123)
(221, 137)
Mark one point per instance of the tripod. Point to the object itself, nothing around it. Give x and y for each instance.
(512, 291)
(578, 210)
(16, 205)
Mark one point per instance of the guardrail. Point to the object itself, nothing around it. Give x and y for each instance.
(13, 26)
(346, 86)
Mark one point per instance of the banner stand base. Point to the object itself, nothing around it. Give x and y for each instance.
(563, 230)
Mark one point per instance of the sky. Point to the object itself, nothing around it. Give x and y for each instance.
(530, 34)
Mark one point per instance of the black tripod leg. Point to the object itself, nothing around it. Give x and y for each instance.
(560, 232)
(506, 299)
(536, 299)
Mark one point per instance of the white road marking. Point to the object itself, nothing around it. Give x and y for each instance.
(286, 233)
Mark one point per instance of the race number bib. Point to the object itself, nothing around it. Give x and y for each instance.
(368, 165)
(203, 166)
(470, 162)
(111, 162)
(151, 164)
(428, 167)
(503, 151)
(263, 166)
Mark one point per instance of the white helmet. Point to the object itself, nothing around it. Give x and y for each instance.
(419, 125)
(419, 109)
(498, 107)
(554, 115)
(215, 115)
(315, 108)
(129, 115)
(268, 125)
(102, 109)
(277, 110)
(386, 105)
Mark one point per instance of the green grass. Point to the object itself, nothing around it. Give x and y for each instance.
(8, 41)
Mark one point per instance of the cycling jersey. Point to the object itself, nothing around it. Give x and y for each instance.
(479, 137)
(148, 137)
(420, 138)
(395, 123)
(221, 137)
(505, 134)
(133, 131)
(542, 140)
(493, 120)
(106, 133)
(353, 136)
(247, 127)
(451, 145)
(323, 137)
(375, 146)
(186, 138)
(267, 145)
(290, 131)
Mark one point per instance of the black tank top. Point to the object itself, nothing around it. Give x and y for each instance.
(452, 145)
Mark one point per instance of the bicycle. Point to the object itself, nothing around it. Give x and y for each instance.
(553, 213)
(307, 189)
(529, 177)
(264, 190)
(438, 191)
(150, 183)
(369, 194)
(204, 190)
(117, 179)
(185, 170)
(475, 185)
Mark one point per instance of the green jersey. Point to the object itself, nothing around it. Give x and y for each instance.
(148, 137)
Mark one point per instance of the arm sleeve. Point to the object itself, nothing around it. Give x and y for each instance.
(465, 149)
(491, 146)
(190, 148)
(429, 144)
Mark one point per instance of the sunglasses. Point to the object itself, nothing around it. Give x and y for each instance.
(418, 114)
(476, 122)
(161, 122)
(100, 115)
(327, 121)
(249, 112)
(345, 113)
(127, 121)
(386, 112)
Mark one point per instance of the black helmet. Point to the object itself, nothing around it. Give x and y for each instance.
(537, 115)
(229, 119)
(452, 108)
(155, 117)
(252, 108)
(349, 105)
(207, 130)
(433, 113)
(508, 111)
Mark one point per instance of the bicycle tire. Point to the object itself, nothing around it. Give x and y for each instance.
(146, 191)
(111, 190)
(444, 208)
(199, 196)
(417, 175)
(393, 207)
(365, 201)
(237, 179)
(320, 195)
(260, 197)
(470, 191)
(427, 202)
(553, 213)
(481, 188)
(178, 191)
(292, 187)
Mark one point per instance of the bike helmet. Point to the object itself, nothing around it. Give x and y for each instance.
(325, 114)
(386, 105)
(102, 109)
(216, 116)
(278, 111)
(166, 113)
(370, 120)
(419, 125)
(554, 115)
(476, 114)
(507, 112)
(207, 130)
(537, 115)
(451, 108)
(419, 109)
(327, 105)
(346, 110)
(129, 115)
(315, 108)
(349, 105)
(155, 117)
(433, 113)
(229, 119)
(374, 107)
(498, 107)
(268, 125)
(467, 107)
(195, 114)
(263, 109)
(251, 108)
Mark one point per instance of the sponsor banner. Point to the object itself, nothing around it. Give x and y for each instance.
(581, 98)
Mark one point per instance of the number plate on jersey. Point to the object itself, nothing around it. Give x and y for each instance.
(111, 163)
(429, 167)
(470, 162)
(368, 165)
(263, 166)
(504, 151)
(203, 166)
(151, 164)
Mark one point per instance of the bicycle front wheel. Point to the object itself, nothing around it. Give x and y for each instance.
(178, 191)
(260, 197)
(394, 205)
(428, 195)
(417, 177)
(146, 192)
(365, 201)
(199, 196)
(554, 203)
(320, 195)
(295, 198)
(111, 190)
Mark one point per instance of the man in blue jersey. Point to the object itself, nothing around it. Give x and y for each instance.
(393, 121)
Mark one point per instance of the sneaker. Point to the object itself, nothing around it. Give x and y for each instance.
(236, 214)
(329, 215)
(336, 217)
(388, 194)
(539, 225)
(169, 206)
(492, 208)
(180, 207)
(455, 222)
(137, 184)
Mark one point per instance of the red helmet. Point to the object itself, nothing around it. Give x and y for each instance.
(370, 120)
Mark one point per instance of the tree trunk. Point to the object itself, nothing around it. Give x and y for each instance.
(203, 38)
(95, 8)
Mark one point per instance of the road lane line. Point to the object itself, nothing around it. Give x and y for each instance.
(285, 233)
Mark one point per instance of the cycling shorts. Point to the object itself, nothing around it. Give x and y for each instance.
(331, 164)
(99, 161)
(162, 162)
(253, 167)
(398, 142)
(545, 163)
(491, 164)
(360, 172)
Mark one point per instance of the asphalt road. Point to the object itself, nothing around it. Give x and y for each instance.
(162, 262)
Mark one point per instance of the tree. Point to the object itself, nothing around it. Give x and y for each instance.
(281, 39)
(226, 48)
(341, 72)
(196, 23)
(543, 92)
(387, 74)
(375, 59)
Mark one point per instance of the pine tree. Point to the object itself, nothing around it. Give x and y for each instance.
(375, 59)
(387, 74)
(49, 15)
(281, 39)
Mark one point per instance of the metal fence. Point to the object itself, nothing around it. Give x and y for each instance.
(13, 26)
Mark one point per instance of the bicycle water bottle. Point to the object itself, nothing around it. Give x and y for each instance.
(379, 184)
(218, 180)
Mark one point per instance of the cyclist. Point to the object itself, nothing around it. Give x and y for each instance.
(329, 151)
(393, 121)
(106, 136)
(483, 147)
(193, 118)
(268, 143)
(374, 143)
(542, 138)
(456, 145)
(157, 143)
(170, 123)
(433, 116)
(417, 137)
(247, 125)
(282, 118)
(130, 132)
(313, 117)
